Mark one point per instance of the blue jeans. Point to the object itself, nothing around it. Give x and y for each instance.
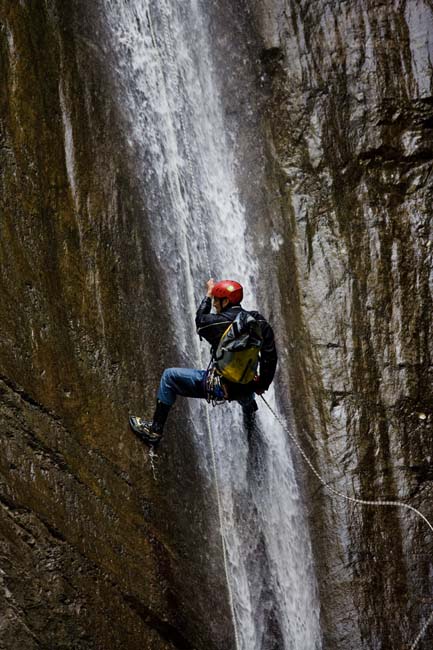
(181, 381)
(188, 383)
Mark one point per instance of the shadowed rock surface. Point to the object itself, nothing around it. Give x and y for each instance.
(94, 553)
(92, 547)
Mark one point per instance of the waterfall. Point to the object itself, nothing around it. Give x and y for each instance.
(169, 94)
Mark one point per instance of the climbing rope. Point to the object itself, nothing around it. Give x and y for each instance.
(422, 632)
(333, 490)
(364, 502)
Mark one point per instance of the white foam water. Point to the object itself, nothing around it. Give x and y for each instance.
(170, 95)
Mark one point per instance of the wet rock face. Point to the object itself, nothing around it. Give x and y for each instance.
(93, 553)
(350, 115)
(90, 547)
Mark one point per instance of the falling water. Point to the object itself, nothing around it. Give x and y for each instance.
(169, 91)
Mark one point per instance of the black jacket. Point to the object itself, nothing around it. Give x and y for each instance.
(212, 326)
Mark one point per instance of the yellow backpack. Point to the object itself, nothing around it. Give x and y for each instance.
(238, 352)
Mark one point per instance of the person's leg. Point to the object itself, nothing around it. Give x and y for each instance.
(186, 382)
(249, 408)
(174, 381)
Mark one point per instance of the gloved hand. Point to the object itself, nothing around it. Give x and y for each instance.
(259, 387)
(210, 285)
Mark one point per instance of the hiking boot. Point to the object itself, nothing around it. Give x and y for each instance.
(143, 429)
(150, 431)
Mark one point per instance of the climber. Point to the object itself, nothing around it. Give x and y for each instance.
(243, 361)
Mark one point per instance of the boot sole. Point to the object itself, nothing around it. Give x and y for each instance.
(148, 440)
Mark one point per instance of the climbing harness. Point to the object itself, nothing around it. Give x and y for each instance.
(364, 502)
(215, 392)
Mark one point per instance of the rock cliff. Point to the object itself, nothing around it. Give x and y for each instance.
(92, 547)
(94, 552)
(350, 117)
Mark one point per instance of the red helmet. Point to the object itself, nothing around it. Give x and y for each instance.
(229, 289)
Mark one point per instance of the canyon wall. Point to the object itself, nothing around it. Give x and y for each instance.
(350, 121)
(95, 551)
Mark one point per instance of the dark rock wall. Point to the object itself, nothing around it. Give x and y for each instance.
(94, 553)
(350, 117)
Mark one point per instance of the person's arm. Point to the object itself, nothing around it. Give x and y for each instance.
(202, 311)
(205, 305)
(207, 324)
(268, 359)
